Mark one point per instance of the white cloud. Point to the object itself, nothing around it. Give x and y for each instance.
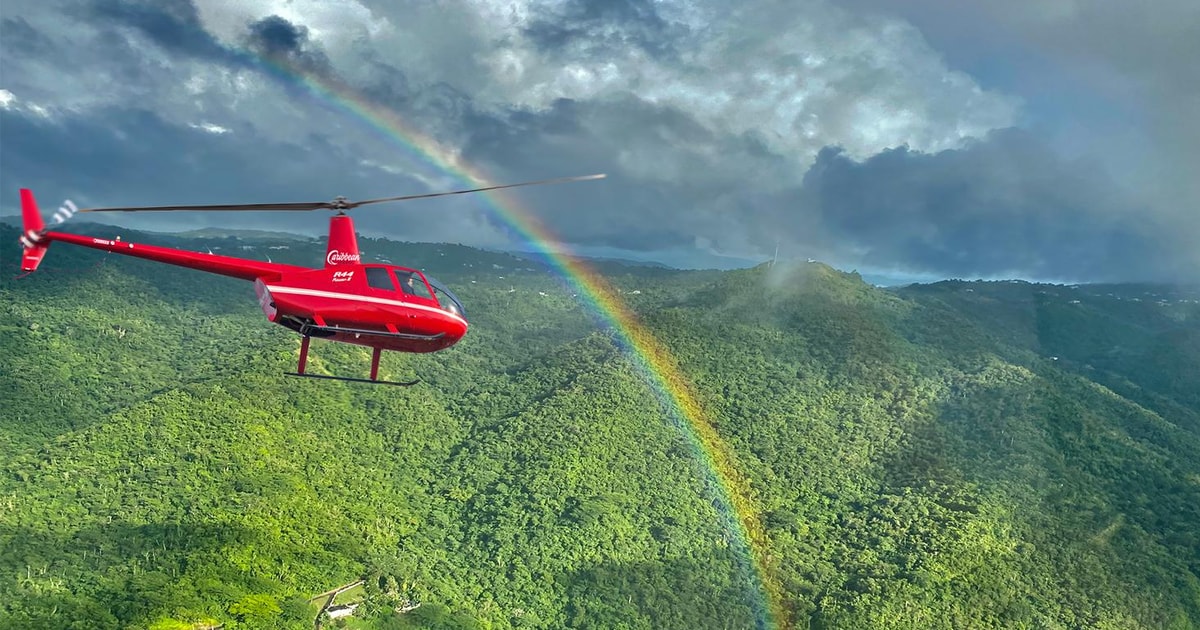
(795, 76)
(209, 128)
(799, 75)
(10, 102)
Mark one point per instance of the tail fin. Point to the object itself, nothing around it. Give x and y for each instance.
(343, 244)
(32, 232)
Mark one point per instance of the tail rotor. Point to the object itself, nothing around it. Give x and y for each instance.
(66, 211)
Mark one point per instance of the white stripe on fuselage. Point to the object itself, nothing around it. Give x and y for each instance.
(361, 298)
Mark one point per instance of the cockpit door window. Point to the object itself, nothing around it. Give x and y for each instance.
(412, 283)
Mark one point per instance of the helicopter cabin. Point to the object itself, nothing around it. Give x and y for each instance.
(415, 286)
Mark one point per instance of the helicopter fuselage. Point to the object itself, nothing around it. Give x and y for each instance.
(366, 305)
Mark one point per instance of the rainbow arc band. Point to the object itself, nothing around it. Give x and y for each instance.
(731, 490)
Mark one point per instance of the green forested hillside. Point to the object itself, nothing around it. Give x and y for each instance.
(982, 455)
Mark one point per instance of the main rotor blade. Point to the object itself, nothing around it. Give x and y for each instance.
(337, 204)
(557, 180)
(303, 205)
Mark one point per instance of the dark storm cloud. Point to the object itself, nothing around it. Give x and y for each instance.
(173, 25)
(1006, 205)
(282, 41)
(388, 84)
(1003, 205)
(129, 156)
(654, 201)
(603, 25)
(503, 137)
(1117, 80)
(134, 157)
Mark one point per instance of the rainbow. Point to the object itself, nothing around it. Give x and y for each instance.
(730, 489)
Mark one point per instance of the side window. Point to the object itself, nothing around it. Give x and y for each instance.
(379, 278)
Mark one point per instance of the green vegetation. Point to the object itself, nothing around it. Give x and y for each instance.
(984, 455)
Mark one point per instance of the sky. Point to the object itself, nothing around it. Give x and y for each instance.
(1037, 139)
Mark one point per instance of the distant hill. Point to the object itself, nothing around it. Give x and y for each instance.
(628, 262)
(957, 455)
(242, 234)
(1140, 340)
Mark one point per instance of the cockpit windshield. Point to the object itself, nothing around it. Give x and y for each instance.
(446, 298)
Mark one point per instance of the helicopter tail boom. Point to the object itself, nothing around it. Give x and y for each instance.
(35, 239)
(32, 231)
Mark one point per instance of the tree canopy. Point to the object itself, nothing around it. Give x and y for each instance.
(962, 454)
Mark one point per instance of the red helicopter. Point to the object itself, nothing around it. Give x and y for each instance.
(383, 307)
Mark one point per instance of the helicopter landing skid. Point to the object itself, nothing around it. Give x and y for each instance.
(375, 354)
(354, 380)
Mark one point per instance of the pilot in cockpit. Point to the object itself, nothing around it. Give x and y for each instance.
(408, 284)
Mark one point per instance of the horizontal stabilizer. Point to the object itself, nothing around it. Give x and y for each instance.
(32, 257)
